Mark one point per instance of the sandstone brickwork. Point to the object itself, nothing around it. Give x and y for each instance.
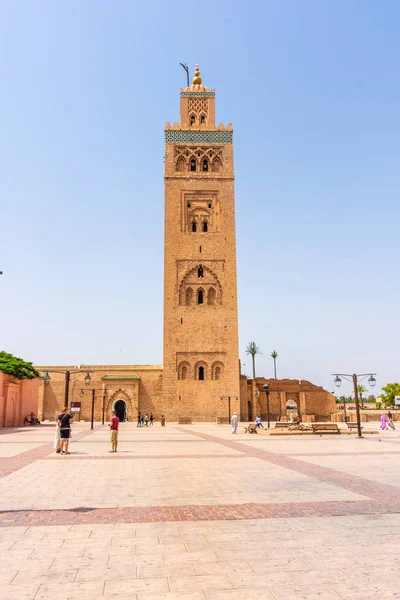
(201, 361)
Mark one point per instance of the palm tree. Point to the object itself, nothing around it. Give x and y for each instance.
(274, 355)
(361, 389)
(253, 349)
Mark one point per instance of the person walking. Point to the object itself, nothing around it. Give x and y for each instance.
(390, 420)
(114, 425)
(151, 420)
(162, 421)
(146, 420)
(234, 421)
(142, 421)
(64, 423)
(383, 421)
(139, 420)
(258, 422)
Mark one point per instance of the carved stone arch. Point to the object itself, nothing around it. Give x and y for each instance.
(217, 165)
(121, 394)
(189, 296)
(200, 295)
(201, 364)
(211, 296)
(217, 370)
(184, 370)
(181, 165)
(209, 279)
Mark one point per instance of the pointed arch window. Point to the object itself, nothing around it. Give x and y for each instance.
(193, 165)
(205, 226)
(205, 165)
(194, 226)
(211, 296)
(192, 119)
(202, 120)
(200, 272)
(200, 297)
(189, 296)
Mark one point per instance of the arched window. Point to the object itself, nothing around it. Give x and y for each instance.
(192, 119)
(209, 205)
(180, 165)
(200, 272)
(201, 374)
(202, 120)
(194, 226)
(205, 226)
(189, 296)
(217, 370)
(211, 296)
(205, 165)
(200, 297)
(184, 370)
(216, 166)
(193, 165)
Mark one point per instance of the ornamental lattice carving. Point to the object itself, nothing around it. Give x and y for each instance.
(209, 155)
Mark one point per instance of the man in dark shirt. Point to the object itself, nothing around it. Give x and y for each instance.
(64, 423)
(114, 424)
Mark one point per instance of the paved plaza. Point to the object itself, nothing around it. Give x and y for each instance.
(191, 512)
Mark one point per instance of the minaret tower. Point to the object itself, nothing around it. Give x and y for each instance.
(201, 360)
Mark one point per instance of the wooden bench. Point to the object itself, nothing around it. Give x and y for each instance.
(184, 421)
(251, 428)
(282, 424)
(325, 428)
(352, 425)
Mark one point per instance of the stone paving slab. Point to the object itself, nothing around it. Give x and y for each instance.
(300, 511)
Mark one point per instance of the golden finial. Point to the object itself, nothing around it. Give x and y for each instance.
(197, 78)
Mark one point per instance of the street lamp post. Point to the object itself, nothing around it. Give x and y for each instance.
(222, 398)
(104, 406)
(266, 390)
(354, 378)
(67, 374)
(87, 382)
(229, 406)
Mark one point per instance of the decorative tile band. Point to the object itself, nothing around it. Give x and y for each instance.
(198, 137)
(199, 94)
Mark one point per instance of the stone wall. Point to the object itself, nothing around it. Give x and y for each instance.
(17, 400)
(139, 386)
(309, 399)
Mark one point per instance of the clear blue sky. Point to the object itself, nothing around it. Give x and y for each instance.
(312, 89)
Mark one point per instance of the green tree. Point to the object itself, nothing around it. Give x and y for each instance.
(274, 355)
(361, 389)
(18, 368)
(253, 349)
(390, 391)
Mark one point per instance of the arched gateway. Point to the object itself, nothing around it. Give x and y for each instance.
(121, 409)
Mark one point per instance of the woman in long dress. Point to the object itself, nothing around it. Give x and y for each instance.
(56, 444)
(383, 421)
(234, 423)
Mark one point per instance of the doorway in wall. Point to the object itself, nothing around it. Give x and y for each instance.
(120, 409)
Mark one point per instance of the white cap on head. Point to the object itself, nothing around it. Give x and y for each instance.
(234, 413)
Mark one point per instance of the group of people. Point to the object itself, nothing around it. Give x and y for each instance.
(65, 420)
(146, 421)
(387, 420)
(32, 420)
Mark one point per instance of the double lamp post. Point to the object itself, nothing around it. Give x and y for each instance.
(355, 378)
(88, 379)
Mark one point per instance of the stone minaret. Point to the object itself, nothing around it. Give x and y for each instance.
(201, 361)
